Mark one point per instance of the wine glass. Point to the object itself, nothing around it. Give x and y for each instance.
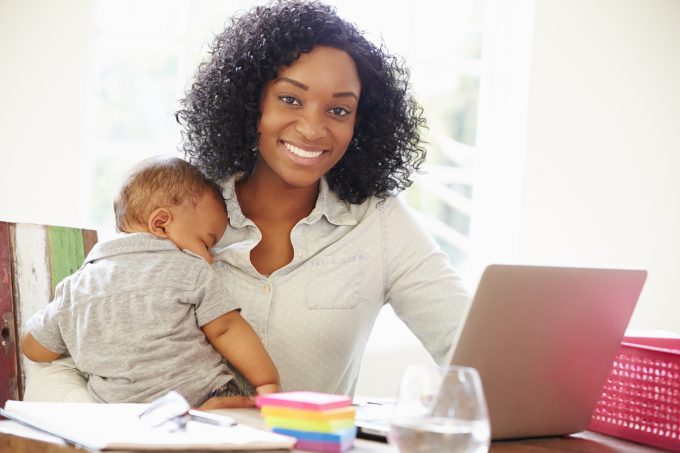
(440, 409)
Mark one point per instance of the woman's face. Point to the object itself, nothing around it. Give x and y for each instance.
(308, 116)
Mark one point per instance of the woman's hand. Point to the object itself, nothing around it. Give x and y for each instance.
(227, 402)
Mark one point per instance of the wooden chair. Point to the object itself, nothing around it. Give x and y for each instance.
(33, 259)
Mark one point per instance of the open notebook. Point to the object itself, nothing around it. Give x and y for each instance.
(117, 427)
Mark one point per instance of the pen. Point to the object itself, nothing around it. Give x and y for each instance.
(212, 419)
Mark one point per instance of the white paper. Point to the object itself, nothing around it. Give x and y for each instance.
(651, 333)
(117, 426)
(16, 429)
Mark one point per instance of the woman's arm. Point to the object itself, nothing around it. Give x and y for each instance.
(422, 286)
(233, 337)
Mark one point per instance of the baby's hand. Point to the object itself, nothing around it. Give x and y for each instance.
(227, 402)
(268, 388)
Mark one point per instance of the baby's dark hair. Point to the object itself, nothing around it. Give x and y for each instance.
(159, 181)
(221, 111)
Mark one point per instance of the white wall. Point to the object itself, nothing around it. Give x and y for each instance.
(601, 180)
(44, 71)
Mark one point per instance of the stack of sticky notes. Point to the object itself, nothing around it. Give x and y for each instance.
(319, 421)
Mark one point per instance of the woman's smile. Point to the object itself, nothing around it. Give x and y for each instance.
(303, 151)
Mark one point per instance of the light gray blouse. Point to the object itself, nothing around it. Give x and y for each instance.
(315, 314)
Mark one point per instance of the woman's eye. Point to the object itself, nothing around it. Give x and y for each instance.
(289, 100)
(339, 111)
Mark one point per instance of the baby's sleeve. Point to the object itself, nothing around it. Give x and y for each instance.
(213, 297)
(44, 324)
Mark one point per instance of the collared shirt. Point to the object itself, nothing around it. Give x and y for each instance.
(315, 314)
(131, 317)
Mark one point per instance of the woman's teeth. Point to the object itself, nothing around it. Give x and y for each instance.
(301, 152)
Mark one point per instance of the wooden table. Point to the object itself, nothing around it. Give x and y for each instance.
(586, 442)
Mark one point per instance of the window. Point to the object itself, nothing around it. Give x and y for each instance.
(446, 79)
(144, 56)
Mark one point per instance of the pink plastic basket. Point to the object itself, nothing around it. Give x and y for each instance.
(641, 398)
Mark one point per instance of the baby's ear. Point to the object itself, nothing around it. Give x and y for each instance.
(159, 220)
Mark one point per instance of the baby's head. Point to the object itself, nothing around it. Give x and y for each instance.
(172, 199)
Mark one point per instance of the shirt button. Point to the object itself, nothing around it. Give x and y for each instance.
(264, 289)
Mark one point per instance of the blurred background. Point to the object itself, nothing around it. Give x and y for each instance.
(553, 127)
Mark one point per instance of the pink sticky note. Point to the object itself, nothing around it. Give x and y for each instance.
(333, 447)
(304, 400)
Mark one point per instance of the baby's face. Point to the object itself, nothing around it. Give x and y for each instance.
(199, 227)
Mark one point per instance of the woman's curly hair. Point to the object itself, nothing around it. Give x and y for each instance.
(221, 110)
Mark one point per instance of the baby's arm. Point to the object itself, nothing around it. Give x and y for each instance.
(44, 325)
(233, 337)
(35, 351)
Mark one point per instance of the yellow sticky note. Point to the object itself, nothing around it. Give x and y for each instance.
(330, 414)
(321, 426)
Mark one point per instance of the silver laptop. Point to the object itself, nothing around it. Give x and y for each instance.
(543, 340)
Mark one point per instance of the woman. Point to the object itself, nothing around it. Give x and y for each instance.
(312, 132)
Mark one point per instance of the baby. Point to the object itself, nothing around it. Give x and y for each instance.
(147, 313)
